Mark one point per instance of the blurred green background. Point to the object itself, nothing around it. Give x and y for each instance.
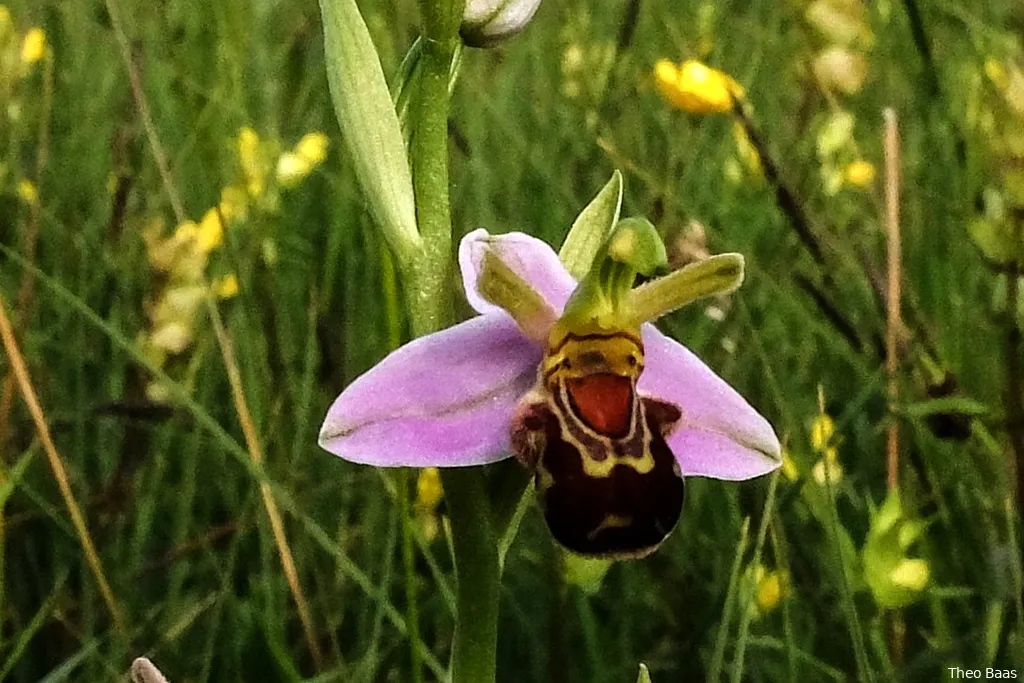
(132, 383)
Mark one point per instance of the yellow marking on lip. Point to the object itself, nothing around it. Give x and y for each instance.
(611, 522)
(603, 468)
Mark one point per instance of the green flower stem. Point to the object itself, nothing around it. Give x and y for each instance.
(429, 300)
(479, 575)
(428, 291)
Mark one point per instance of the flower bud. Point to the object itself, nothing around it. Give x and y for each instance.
(488, 22)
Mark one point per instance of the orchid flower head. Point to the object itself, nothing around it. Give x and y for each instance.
(552, 362)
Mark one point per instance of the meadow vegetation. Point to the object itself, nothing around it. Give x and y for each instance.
(189, 272)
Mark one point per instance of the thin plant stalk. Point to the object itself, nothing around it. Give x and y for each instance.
(20, 371)
(718, 656)
(894, 326)
(745, 616)
(893, 322)
(402, 479)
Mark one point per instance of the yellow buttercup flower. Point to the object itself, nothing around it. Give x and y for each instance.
(859, 173)
(33, 46)
(695, 87)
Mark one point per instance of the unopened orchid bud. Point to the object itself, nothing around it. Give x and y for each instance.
(488, 22)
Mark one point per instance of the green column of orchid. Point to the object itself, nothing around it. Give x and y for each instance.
(473, 537)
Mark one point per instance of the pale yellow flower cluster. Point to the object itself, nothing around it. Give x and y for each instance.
(180, 260)
(426, 509)
(20, 56)
(841, 66)
(824, 442)
(1002, 122)
(841, 164)
(28, 48)
(586, 64)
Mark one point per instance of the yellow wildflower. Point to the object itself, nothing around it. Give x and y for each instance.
(838, 68)
(185, 232)
(178, 304)
(428, 497)
(835, 134)
(996, 73)
(252, 161)
(27, 192)
(210, 234)
(33, 47)
(428, 488)
(174, 337)
(789, 468)
(292, 169)
(772, 588)
(294, 166)
(831, 178)
(234, 204)
(828, 469)
(842, 22)
(695, 87)
(313, 147)
(860, 173)
(822, 431)
(226, 287)
(912, 574)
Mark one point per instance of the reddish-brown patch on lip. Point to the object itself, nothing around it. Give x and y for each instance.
(603, 401)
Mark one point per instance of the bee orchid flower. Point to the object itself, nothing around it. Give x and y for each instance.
(571, 378)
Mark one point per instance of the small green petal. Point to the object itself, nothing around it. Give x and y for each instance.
(719, 274)
(590, 229)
